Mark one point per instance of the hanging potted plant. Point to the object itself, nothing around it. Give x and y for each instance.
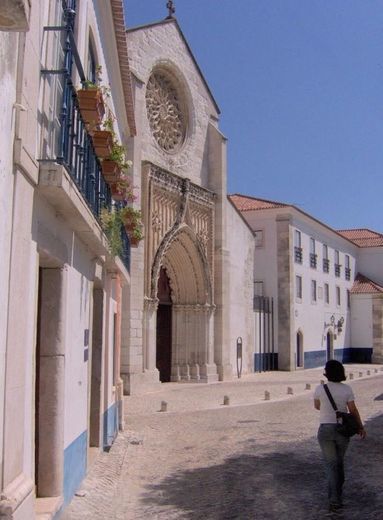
(132, 221)
(91, 104)
(114, 165)
(102, 143)
(111, 224)
(122, 190)
(136, 236)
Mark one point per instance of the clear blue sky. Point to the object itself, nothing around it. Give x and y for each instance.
(299, 84)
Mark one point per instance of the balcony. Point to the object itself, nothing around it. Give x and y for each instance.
(326, 265)
(313, 260)
(298, 255)
(70, 170)
(337, 270)
(347, 273)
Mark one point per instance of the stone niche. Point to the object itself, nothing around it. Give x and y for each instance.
(14, 15)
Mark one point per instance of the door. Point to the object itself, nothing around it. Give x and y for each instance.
(164, 328)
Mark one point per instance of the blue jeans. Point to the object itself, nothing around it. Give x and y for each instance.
(333, 446)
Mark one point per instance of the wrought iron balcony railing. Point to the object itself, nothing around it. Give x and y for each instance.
(313, 260)
(298, 255)
(326, 265)
(71, 145)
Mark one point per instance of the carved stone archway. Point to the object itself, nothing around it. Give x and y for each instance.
(179, 238)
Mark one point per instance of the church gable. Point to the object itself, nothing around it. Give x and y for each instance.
(174, 103)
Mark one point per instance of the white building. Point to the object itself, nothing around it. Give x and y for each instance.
(318, 292)
(61, 289)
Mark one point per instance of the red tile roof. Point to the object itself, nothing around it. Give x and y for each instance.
(363, 237)
(363, 285)
(246, 203)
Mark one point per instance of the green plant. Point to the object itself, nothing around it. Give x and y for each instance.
(131, 217)
(111, 224)
(124, 186)
(108, 124)
(132, 220)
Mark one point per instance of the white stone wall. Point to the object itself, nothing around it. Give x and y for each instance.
(239, 277)
(8, 48)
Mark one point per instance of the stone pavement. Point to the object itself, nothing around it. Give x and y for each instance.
(252, 459)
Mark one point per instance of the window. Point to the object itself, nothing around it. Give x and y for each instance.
(258, 288)
(313, 290)
(326, 261)
(258, 300)
(298, 287)
(258, 238)
(298, 247)
(347, 270)
(338, 295)
(313, 256)
(337, 265)
(348, 299)
(326, 293)
(91, 70)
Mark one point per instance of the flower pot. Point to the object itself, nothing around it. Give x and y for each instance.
(110, 171)
(134, 242)
(102, 143)
(117, 193)
(91, 106)
(129, 227)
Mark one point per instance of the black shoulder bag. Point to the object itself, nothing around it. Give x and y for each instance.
(347, 423)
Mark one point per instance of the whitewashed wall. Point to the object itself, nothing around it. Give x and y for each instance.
(310, 317)
(8, 53)
(240, 243)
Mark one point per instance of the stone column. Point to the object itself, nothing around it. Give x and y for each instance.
(176, 337)
(208, 369)
(50, 420)
(150, 333)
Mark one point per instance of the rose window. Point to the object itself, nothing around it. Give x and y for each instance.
(165, 112)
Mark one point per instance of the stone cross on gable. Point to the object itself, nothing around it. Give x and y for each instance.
(171, 8)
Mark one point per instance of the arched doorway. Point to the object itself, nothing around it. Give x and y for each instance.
(184, 346)
(299, 350)
(330, 345)
(164, 327)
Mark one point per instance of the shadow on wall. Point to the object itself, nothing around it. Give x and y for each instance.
(282, 485)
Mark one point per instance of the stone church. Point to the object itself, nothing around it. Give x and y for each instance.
(190, 298)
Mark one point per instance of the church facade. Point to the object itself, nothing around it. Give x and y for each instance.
(181, 308)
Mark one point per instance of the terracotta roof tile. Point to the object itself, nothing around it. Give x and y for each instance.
(363, 237)
(363, 285)
(246, 203)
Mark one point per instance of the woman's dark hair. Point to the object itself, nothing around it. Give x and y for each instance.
(334, 371)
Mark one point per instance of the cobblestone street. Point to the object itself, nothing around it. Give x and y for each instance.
(253, 459)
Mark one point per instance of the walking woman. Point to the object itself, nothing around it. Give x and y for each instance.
(332, 443)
